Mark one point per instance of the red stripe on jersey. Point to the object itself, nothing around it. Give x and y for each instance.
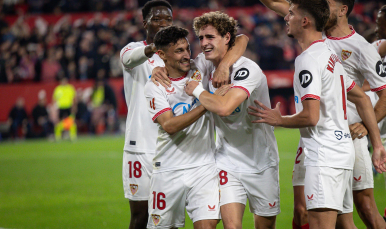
(378, 88)
(310, 96)
(341, 38)
(144, 42)
(161, 112)
(243, 88)
(315, 42)
(124, 54)
(351, 87)
(179, 78)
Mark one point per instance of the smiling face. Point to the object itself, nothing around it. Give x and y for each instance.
(177, 56)
(294, 21)
(213, 45)
(380, 30)
(159, 17)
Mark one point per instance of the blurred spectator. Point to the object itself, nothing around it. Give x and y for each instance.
(42, 126)
(83, 115)
(17, 120)
(51, 66)
(65, 99)
(104, 104)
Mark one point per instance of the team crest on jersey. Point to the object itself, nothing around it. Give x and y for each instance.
(133, 188)
(196, 76)
(345, 54)
(156, 219)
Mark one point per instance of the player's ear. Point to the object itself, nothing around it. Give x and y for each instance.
(162, 54)
(305, 21)
(227, 37)
(144, 22)
(343, 11)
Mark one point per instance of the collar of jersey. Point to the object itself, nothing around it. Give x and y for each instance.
(315, 42)
(341, 38)
(179, 78)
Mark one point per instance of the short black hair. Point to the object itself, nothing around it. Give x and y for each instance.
(150, 4)
(349, 4)
(169, 36)
(318, 9)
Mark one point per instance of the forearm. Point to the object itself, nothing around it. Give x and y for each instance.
(367, 115)
(215, 103)
(135, 57)
(380, 106)
(299, 120)
(281, 7)
(235, 52)
(178, 123)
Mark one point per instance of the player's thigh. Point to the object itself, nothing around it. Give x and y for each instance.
(205, 224)
(299, 170)
(263, 191)
(362, 173)
(167, 200)
(326, 188)
(231, 188)
(202, 200)
(136, 172)
(232, 215)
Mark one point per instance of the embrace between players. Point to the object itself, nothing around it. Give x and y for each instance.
(171, 161)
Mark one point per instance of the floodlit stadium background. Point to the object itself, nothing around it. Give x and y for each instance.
(47, 184)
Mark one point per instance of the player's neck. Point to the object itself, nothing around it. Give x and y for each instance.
(149, 40)
(308, 38)
(174, 73)
(341, 29)
(216, 62)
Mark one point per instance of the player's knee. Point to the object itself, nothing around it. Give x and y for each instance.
(139, 214)
(300, 211)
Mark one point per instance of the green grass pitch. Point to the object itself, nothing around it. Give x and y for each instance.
(79, 185)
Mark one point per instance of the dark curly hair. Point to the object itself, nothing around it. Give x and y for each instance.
(169, 36)
(318, 9)
(219, 20)
(147, 7)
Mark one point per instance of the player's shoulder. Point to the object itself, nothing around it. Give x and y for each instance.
(150, 87)
(132, 45)
(246, 63)
(378, 43)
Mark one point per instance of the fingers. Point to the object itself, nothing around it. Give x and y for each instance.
(154, 81)
(261, 105)
(357, 130)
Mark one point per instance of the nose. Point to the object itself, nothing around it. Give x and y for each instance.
(204, 42)
(163, 23)
(286, 17)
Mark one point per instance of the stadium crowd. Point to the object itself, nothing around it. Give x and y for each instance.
(89, 49)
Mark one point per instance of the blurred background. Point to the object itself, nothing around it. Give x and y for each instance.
(42, 41)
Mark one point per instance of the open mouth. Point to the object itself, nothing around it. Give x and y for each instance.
(208, 50)
(185, 62)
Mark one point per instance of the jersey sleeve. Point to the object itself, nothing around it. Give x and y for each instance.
(309, 78)
(157, 102)
(246, 77)
(349, 83)
(133, 55)
(371, 68)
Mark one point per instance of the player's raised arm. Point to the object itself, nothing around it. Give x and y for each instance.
(134, 56)
(366, 112)
(221, 75)
(281, 7)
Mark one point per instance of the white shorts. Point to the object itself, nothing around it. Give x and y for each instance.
(363, 170)
(136, 173)
(327, 187)
(261, 189)
(195, 189)
(299, 171)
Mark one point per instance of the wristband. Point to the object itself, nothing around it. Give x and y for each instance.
(198, 90)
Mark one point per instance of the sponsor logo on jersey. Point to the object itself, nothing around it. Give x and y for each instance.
(196, 76)
(211, 208)
(305, 78)
(338, 134)
(272, 205)
(156, 219)
(358, 179)
(171, 91)
(150, 61)
(132, 143)
(157, 164)
(310, 197)
(185, 107)
(381, 69)
(241, 74)
(345, 54)
(133, 188)
(237, 110)
(296, 99)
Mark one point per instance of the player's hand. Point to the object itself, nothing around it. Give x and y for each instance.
(379, 159)
(190, 86)
(160, 75)
(223, 89)
(357, 130)
(266, 114)
(220, 77)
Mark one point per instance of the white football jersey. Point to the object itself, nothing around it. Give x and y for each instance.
(190, 147)
(243, 146)
(141, 132)
(320, 75)
(361, 61)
